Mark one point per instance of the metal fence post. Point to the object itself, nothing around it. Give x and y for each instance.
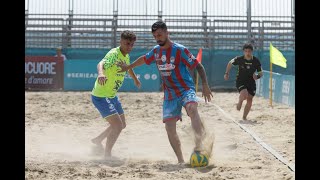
(160, 3)
(249, 20)
(69, 25)
(115, 22)
(293, 13)
(26, 14)
(204, 22)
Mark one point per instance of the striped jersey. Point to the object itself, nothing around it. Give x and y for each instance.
(172, 64)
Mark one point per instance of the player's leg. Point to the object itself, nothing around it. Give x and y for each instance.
(103, 107)
(242, 96)
(106, 107)
(123, 120)
(116, 128)
(189, 101)
(174, 139)
(172, 113)
(196, 124)
(98, 140)
(120, 111)
(251, 93)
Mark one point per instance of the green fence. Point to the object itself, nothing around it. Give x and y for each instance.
(214, 61)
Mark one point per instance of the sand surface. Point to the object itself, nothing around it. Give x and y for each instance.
(59, 126)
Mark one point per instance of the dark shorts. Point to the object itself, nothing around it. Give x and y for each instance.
(251, 87)
(107, 106)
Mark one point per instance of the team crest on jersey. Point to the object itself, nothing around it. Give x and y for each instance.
(172, 59)
(248, 67)
(163, 58)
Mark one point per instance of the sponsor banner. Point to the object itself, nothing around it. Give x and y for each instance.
(283, 88)
(82, 74)
(43, 73)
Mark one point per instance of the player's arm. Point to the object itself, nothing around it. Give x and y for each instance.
(138, 62)
(206, 92)
(232, 62)
(101, 77)
(260, 73)
(106, 62)
(134, 77)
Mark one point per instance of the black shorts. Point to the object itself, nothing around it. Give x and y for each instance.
(251, 87)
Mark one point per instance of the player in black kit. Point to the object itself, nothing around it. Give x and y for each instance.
(246, 76)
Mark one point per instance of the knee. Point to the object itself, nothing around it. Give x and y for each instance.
(192, 109)
(249, 100)
(170, 129)
(123, 121)
(244, 95)
(117, 126)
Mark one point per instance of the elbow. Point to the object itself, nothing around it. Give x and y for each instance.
(199, 67)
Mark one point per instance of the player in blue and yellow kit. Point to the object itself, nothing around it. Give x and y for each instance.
(172, 60)
(106, 86)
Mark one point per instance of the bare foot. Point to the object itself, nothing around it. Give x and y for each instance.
(182, 164)
(98, 148)
(244, 118)
(96, 142)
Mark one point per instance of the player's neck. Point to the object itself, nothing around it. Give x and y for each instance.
(248, 57)
(124, 54)
(167, 45)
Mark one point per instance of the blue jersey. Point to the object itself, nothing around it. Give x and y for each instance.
(172, 64)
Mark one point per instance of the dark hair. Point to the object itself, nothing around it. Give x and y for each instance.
(247, 46)
(158, 25)
(128, 35)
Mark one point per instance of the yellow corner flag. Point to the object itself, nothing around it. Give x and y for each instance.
(277, 58)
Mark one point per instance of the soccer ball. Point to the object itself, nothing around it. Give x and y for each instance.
(198, 160)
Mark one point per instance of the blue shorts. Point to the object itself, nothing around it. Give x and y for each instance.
(172, 108)
(107, 106)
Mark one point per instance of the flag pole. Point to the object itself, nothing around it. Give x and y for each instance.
(199, 58)
(197, 77)
(270, 98)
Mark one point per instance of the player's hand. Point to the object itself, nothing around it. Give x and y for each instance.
(226, 77)
(137, 83)
(206, 92)
(123, 66)
(254, 76)
(102, 79)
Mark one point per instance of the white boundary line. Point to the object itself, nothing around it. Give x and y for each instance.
(256, 138)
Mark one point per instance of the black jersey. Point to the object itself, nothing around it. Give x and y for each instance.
(246, 68)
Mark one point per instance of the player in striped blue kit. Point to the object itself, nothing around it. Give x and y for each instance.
(173, 60)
